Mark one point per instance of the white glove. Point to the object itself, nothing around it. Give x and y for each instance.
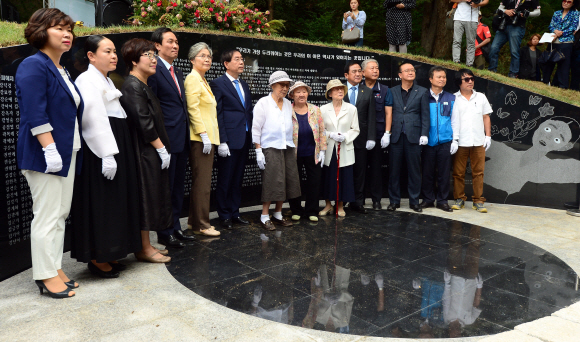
(365, 279)
(260, 159)
(379, 280)
(206, 143)
(337, 136)
(257, 296)
(370, 144)
(423, 140)
(317, 279)
(165, 157)
(454, 147)
(487, 142)
(321, 157)
(447, 277)
(109, 167)
(479, 281)
(53, 159)
(385, 140)
(223, 150)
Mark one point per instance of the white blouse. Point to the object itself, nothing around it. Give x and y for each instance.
(101, 102)
(77, 98)
(271, 126)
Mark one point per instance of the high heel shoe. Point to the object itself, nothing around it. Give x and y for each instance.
(103, 274)
(149, 258)
(117, 266)
(71, 284)
(57, 295)
(326, 211)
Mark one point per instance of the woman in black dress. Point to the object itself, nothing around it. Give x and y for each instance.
(150, 142)
(398, 23)
(105, 211)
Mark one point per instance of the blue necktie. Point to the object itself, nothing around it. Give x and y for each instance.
(351, 98)
(237, 83)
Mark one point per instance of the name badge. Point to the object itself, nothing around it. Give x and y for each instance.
(446, 103)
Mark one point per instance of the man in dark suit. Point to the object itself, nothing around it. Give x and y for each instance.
(167, 84)
(362, 97)
(410, 129)
(234, 114)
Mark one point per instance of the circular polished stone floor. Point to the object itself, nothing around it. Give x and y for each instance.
(381, 274)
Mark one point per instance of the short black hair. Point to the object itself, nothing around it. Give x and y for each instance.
(228, 55)
(43, 19)
(157, 35)
(435, 69)
(401, 65)
(92, 44)
(459, 74)
(133, 49)
(349, 64)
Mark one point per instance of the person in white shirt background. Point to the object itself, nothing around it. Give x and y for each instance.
(465, 20)
(471, 125)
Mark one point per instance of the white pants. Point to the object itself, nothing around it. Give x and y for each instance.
(51, 201)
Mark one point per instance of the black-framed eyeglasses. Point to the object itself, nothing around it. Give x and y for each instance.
(468, 79)
(151, 56)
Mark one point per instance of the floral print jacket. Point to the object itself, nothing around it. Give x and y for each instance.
(567, 25)
(317, 124)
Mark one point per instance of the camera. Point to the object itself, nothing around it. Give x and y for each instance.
(520, 15)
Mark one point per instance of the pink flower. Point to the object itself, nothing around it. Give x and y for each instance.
(250, 30)
(247, 11)
(158, 4)
(212, 1)
(198, 21)
(210, 9)
(143, 0)
(258, 29)
(268, 33)
(149, 8)
(267, 13)
(181, 24)
(174, 4)
(178, 16)
(250, 27)
(259, 22)
(143, 14)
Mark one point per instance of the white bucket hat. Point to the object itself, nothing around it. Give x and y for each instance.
(296, 85)
(279, 76)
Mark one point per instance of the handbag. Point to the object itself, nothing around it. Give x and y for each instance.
(485, 50)
(552, 56)
(351, 36)
(449, 18)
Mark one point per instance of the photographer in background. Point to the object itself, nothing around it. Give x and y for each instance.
(465, 20)
(511, 26)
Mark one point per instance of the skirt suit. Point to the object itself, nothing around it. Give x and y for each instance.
(346, 122)
(105, 216)
(145, 120)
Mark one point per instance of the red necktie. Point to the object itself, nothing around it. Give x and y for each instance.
(174, 80)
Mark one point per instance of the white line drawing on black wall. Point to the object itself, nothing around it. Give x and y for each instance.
(535, 100)
(511, 98)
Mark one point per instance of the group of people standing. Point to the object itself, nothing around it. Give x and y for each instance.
(133, 145)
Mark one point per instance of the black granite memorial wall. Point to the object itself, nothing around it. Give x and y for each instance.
(534, 159)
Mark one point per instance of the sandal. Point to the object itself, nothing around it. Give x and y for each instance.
(207, 232)
(142, 257)
(341, 213)
(326, 211)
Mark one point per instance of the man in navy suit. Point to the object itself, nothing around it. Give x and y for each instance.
(234, 114)
(410, 129)
(167, 84)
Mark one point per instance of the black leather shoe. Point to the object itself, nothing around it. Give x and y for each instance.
(444, 207)
(117, 266)
(240, 220)
(98, 272)
(377, 206)
(358, 209)
(425, 205)
(171, 241)
(227, 224)
(416, 207)
(393, 207)
(179, 234)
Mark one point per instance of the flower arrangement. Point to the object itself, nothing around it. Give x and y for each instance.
(209, 14)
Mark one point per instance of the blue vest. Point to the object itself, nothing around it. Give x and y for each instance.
(440, 131)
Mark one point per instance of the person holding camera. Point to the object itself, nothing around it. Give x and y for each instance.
(354, 18)
(510, 26)
(465, 20)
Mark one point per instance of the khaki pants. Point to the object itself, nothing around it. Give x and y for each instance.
(51, 200)
(477, 156)
(479, 62)
(201, 168)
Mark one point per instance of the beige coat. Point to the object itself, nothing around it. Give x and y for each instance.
(346, 122)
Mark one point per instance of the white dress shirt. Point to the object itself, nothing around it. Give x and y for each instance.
(467, 119)
(239, 84)
(458, 298)
(272, 127)
(77, 98)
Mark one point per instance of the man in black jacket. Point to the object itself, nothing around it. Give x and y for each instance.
(362, 97)
(410, 129)
(515, 12)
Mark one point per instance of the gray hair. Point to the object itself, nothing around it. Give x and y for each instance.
(196, 49)
(367, 61)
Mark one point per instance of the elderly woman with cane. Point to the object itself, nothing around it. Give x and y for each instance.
(272, 134)
(341, 123)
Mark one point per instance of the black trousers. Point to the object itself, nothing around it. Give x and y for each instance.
(229, 181)
(400, 152)
(310, 187)
(376, 156)
(436, 162)
(177, 169)
(360, 170)
(561, 78)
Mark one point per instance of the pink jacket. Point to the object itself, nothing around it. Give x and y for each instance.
(317, 124)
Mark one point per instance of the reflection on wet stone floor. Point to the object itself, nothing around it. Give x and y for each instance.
(381, 274)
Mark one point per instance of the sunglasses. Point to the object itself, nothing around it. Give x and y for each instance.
(567, 2)
(468, 79)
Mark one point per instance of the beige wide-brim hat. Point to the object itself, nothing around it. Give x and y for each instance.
(334, 84)
(297, 85)
(279, 76)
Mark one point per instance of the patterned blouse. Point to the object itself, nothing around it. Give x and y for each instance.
(317, 124)
(567, 25)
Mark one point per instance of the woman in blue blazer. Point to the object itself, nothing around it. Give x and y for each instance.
(49, 143)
